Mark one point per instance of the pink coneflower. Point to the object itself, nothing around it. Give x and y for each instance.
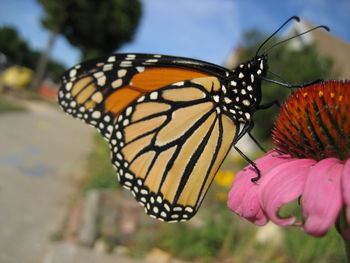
(311, 162)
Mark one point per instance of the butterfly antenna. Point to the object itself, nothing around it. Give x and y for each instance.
(305, 32)
(274, 33)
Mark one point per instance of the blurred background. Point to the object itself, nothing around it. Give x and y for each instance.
(59, 198)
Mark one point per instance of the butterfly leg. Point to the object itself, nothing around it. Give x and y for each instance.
(246, 129)
(254, 179)
(256, 142)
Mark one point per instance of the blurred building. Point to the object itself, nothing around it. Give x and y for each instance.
(328, 45)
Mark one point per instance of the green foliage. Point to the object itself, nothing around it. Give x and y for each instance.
(15, 48)
(95, 27)
(191, 243)
(8, 106)
(18, 52)
(101, 174)
(304, 249)
(294, 66)
(55, 70)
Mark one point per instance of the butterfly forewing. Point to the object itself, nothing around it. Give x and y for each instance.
(168, 145)
(108, 85)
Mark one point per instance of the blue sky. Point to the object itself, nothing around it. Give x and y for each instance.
(202, 29)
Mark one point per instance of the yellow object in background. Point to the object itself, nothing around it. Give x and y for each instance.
(16, 77)
(224, 178)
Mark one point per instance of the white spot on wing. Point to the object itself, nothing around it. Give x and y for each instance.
(72, 73)
(189, 209)
(128, 111)
(125, 122)
(69, 86)
(152, 60)
(216, 98)
(180, 83)
(126, 63)
(246, 102)
(101, 81)
(107, 67)
(98, 74)
(129, 176)
(111, 59)
(122, 73)
(141, 99)
(130, 56)
(224, 89)
(117, 83)
(140, 69)
(154, 95)
(227, 100)
(96, 114)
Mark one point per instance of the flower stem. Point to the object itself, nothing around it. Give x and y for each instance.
(347, 249)
(344, 231)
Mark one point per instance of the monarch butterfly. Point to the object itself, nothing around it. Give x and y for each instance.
(170, 121)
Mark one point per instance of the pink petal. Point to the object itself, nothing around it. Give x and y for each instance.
(284, 184)
(243, 197)
(322, 199)
(346, 187)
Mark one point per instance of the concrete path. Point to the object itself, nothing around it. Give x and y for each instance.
(42, 153)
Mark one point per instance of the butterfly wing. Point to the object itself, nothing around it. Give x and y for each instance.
(107, 85)
(167, 133)
(168, 145)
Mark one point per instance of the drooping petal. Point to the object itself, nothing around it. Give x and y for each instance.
(322, 198)
(284, 184)
(243, 197)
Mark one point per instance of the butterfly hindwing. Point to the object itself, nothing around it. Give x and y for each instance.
(168, 145)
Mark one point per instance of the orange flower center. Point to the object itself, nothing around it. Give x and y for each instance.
(315, 122)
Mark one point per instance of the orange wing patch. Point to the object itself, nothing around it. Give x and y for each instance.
(155, 78)
(120, 99)
(149, 80)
